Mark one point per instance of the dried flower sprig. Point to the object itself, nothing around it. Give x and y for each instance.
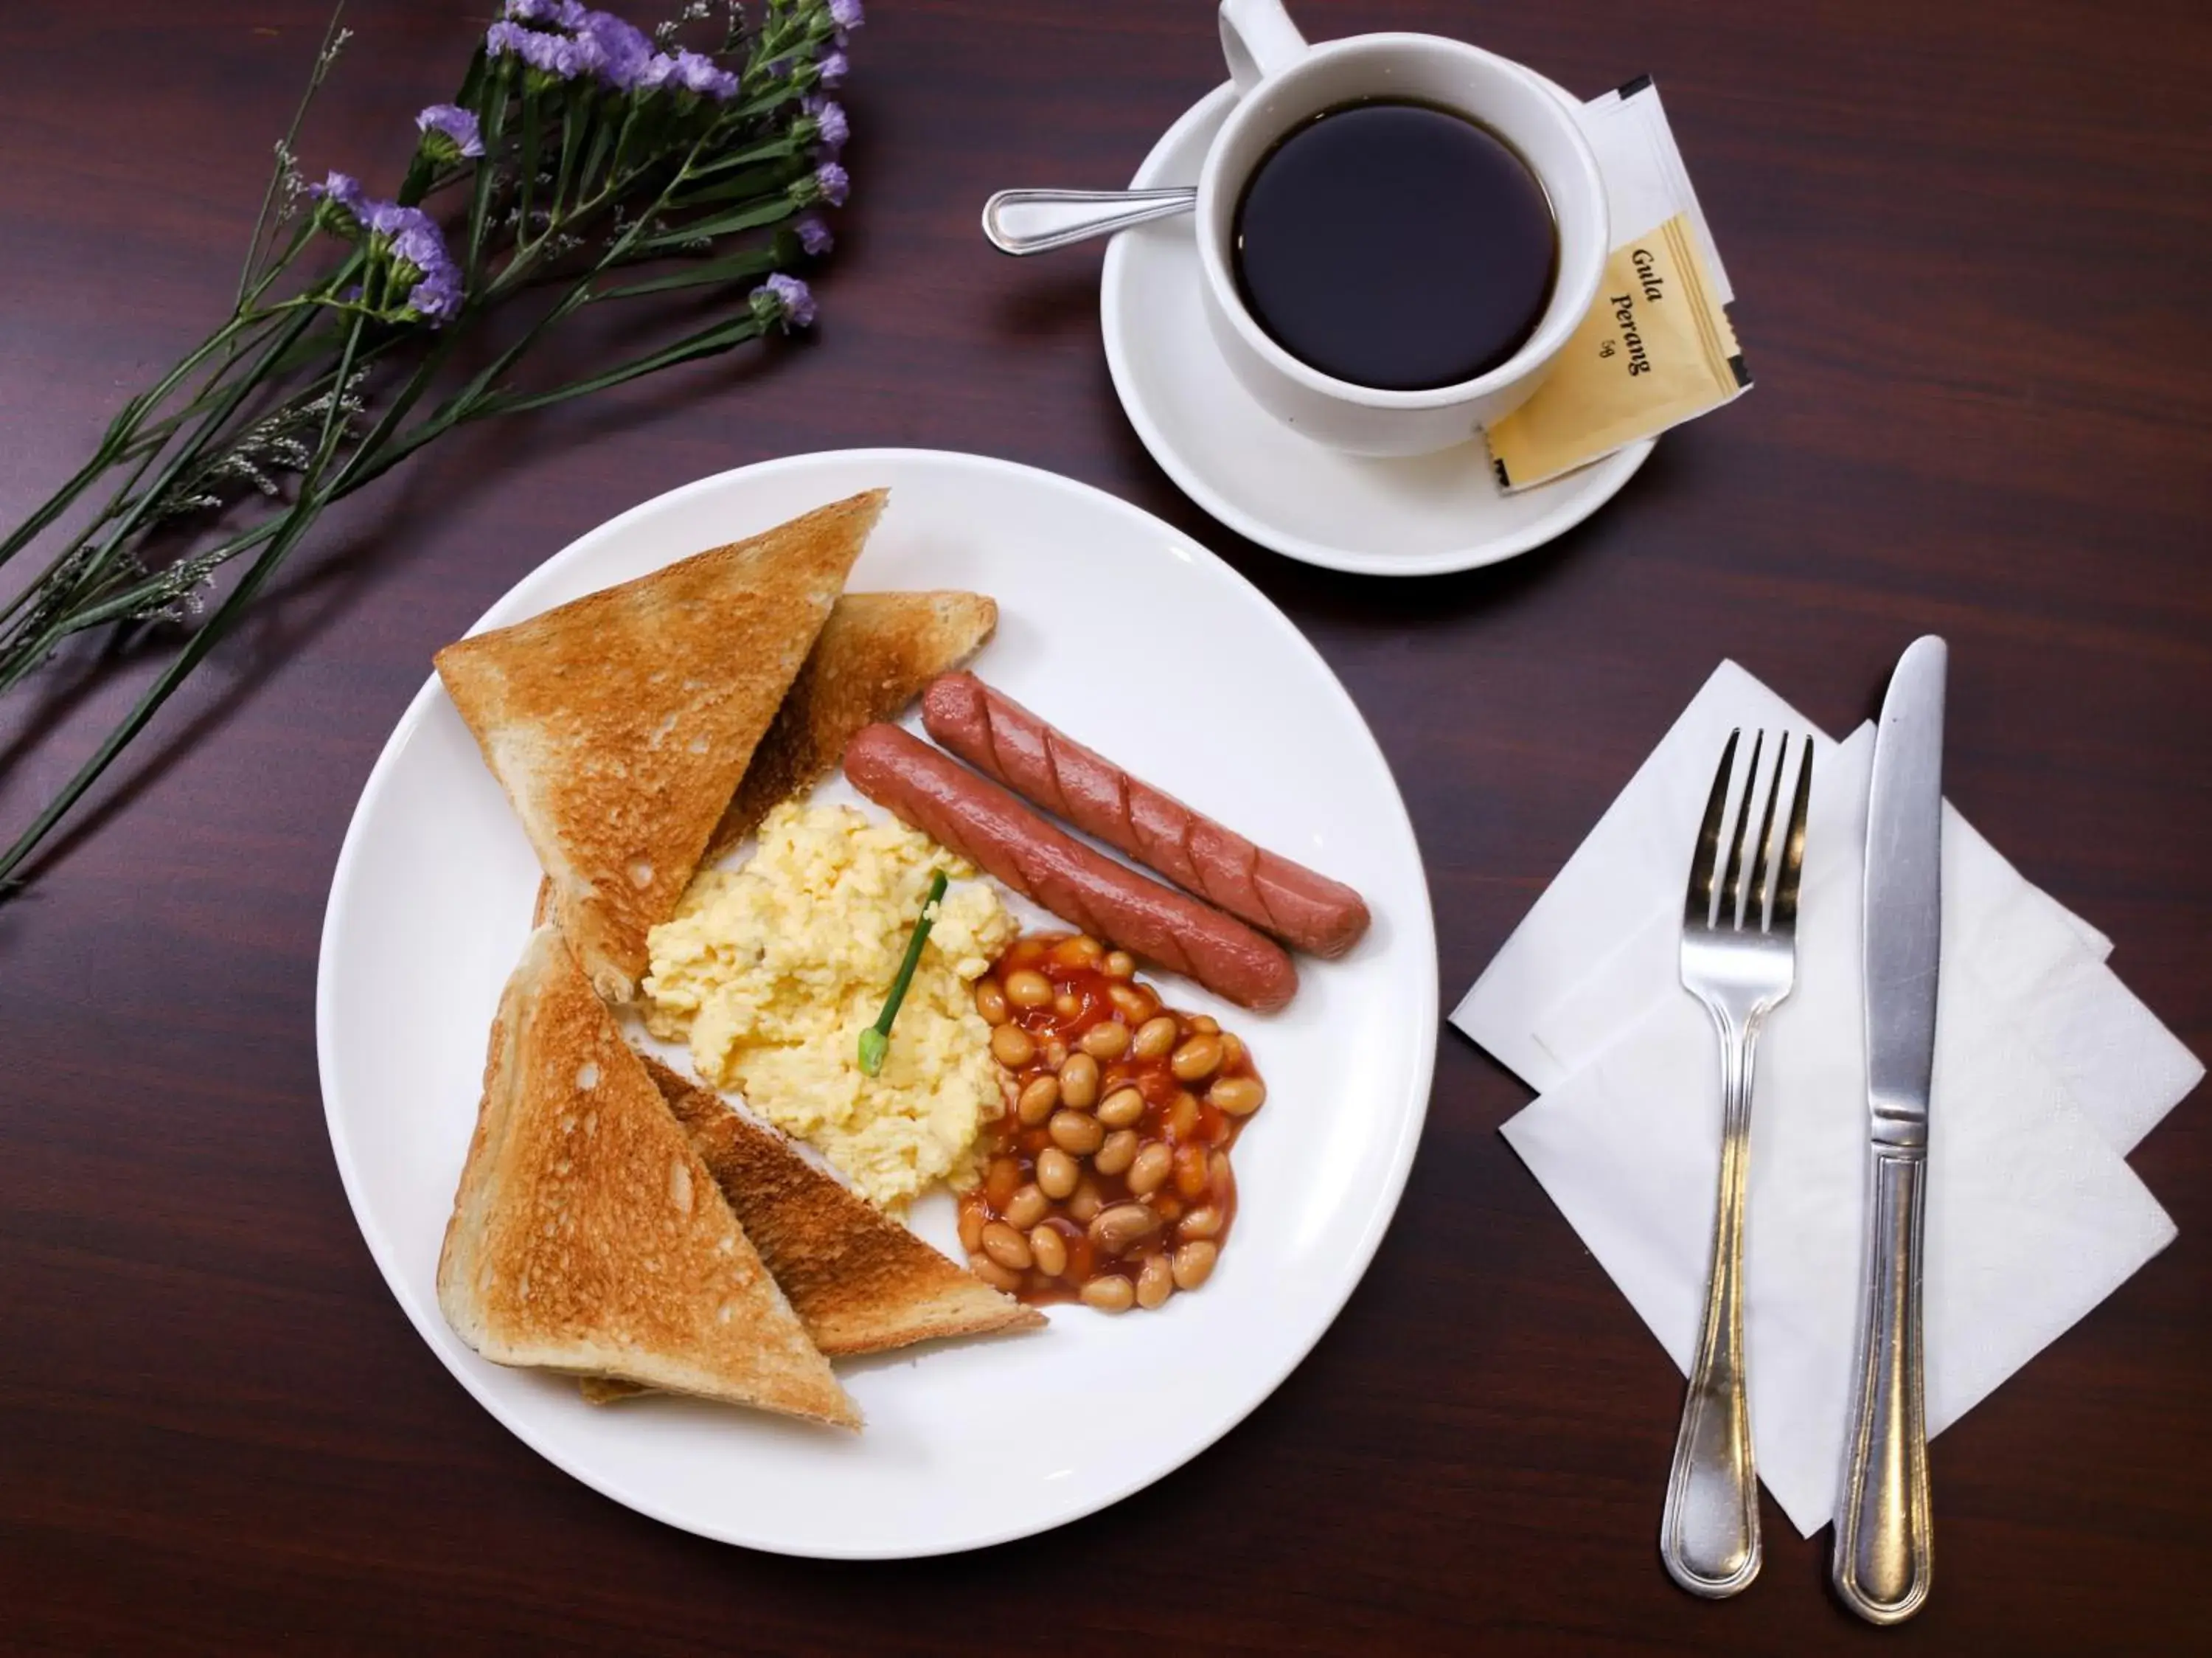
(582, 163)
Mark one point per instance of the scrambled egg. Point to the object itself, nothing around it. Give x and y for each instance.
(772, 970)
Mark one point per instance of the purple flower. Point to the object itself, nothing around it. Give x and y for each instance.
(691, 72)
(814, 235)
(829, 117)
(343, 207)
(846, 14)
(437, 298)
(624, 50)
(831, 70)
(568, 14)
(450, 132)
(563, 57)
(832, 184)
(786, 300)
(412, 236)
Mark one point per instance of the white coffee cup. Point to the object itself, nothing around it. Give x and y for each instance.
(1282, 80)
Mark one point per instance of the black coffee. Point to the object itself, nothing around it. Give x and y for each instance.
(1396, 246)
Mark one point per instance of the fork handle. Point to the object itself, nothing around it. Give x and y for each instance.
(1884, 1541)
(1708, 1537)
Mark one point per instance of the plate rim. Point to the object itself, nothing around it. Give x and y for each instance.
(1597, 482)
(1382, 1212)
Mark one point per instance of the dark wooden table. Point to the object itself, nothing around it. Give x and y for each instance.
(1973, 242)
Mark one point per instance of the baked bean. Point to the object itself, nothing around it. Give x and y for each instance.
(1150, 1171)
(1026, 1207)
(1085, 1202)
(1079, 1081)
(991, 1001)
(1073, 1131)
(1198, 1057)
(1056, 1173)
(1106, 1041)
(1193, 1263)
(1117, 1154)
(1111, 1294)
(1039, 1095)
(1007, 1247)
(1132, 1003)
(1240, 1096)
(1011, 1046)
(1049, 1250)
(1155, 1282)
(1107, 1176)
(1122, 1108)
(1122, 1228)
(1190, 1178)
(1155, 1037)
(1081, 951)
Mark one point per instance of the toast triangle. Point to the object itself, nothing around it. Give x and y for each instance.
(620, 724)
(859, 1281)
(874, 655)
(588, 1236)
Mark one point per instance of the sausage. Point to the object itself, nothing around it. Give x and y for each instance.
(984, 824)
(999, 737)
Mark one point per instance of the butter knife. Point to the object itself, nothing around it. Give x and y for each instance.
(1882, 1562)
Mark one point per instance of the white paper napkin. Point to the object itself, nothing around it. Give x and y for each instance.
(2047, 1069)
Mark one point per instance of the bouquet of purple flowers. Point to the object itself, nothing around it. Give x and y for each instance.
(582, 163)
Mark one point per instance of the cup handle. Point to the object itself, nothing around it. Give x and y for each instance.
(1258, 40)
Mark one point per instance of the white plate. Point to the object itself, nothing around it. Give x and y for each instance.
(1128, 634)
(1417, 516)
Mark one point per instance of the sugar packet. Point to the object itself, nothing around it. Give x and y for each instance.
(1657, 348)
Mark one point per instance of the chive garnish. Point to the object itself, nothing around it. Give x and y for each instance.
(876, 1041)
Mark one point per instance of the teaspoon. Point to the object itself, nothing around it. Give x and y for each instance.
(1038, 221)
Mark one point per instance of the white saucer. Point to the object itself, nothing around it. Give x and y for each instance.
(1417, 516)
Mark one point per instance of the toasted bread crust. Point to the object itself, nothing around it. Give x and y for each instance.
(620, 724)
(588, 1236)
(874, 656)
(860, 1281)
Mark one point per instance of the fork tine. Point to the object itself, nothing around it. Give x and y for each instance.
(1697, 907)
(1762, 866)
(1793, 848)
(1732, 888)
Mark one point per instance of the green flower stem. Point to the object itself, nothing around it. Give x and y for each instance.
(218, 417)
(527, 195)
(324, 54)
(295, 524)
(121, 432)
(638, 176)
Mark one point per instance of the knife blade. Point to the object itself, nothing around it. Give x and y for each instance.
(1883, 1549)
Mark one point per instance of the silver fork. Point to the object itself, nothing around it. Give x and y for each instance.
(1740, 958)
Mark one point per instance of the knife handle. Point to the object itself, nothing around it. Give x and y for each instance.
(1883, 1540)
